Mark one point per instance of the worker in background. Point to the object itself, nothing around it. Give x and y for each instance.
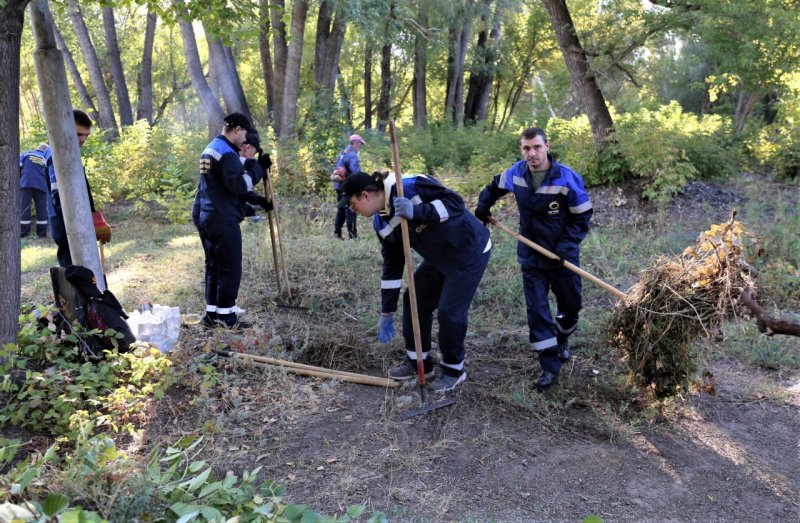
(346, 163)
(33, 190)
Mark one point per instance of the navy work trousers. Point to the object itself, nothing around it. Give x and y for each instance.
(452, 295)
(29, 197)
(342, 215)
(222, 245)
(545, 332)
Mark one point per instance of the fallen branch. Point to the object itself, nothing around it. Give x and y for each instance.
(767, 324)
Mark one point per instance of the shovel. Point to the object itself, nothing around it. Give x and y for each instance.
(571, 266)
(412, 295)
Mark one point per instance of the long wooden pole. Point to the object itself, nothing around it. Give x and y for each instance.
(571, 266)
(272, 235)
(285, 288)
(310, 370)
(412, 291)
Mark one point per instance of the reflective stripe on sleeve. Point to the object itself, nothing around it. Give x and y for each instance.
(520, 181)
(552, 189)
(441, 210)
(212, 153)
(581, 208)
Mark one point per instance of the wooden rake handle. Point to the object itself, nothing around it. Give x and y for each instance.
(310, 370)
(574, 268)
(412, 291)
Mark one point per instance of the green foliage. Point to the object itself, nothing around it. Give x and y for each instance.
(146, 164)
(778, 144)
(47, 387)
(665, 147)
(170, 487)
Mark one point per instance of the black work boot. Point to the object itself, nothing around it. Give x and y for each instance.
(564, 354)
(545, 381)
(209, 319)
(408, 370)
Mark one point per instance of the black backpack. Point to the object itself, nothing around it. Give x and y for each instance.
(80, 301)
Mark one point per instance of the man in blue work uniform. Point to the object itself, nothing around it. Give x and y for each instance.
(346, 163)
(33, 190)
(554, 212)
(219, 207)
(455, 249)
(58, 230)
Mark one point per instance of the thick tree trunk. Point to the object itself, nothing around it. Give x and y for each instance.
(117, 72)
(328, 46)
(266, 57)
(77, 81)
(105, 112)
(291, 87)
(583, 79)
(482, 74)
(386, 87)
(237, 81)
(224, 75)
(12, 15)
(368, 86)
(419, 94)
(210, 103)
(145, 109)
(280, 51)
(64, 143)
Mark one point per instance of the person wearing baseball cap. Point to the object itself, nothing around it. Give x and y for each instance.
(219, 207)
(347, 163)
(455, 249)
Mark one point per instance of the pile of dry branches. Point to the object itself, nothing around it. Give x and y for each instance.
(675, 301)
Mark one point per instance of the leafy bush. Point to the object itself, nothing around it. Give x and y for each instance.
(778, 145)
(144, 164)
(47, 387)
(666, 147)
(170, 487)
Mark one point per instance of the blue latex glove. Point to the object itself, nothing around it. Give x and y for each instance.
(386, 328)
(404, 208)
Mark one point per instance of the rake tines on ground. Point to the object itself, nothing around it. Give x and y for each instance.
(675, 301)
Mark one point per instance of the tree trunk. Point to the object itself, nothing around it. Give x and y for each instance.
(291, 87)
(207, 98)
(105, 112)
(145, 109)
(12, 16)
(328, 47)
(64, 143)
(368, 86)
(419, 91)
(460, 31)
(117, 72)
(280, 50)
(482, 74)
(583, 79)
(266, 57)
(77, 81)
(225, 76)
(386, 87)
(237, 82)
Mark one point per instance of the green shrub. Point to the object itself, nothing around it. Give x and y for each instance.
(778, 145)
(47, 387)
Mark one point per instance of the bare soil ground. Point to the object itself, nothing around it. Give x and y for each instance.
(504, 452)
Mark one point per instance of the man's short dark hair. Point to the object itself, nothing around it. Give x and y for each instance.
(532, 132)
(81, 118)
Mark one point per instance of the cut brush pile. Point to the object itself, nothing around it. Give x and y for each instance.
(675, 301)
